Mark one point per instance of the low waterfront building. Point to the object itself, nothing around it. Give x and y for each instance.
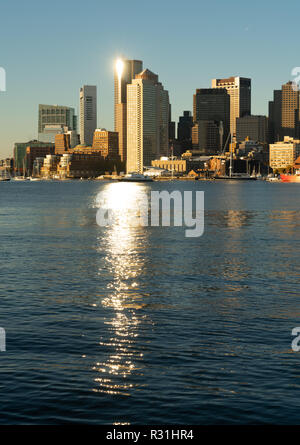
(20, 153)
(81, 164)
(283, 154)
(37, 165)
(175, 165)
(62, 143)
(49, 168)
(37, 151)
(297, 164)
(6, 167)
(106, 143)
(182, 166)
(217, 165)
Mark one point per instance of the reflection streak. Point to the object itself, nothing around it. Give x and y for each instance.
(124, 246)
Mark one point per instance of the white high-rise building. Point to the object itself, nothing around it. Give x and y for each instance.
(239, 90)
(125, 72)
(147, 121)
(88, 114)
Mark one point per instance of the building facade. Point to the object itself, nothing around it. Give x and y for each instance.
(106, 143)
(37, 151)
(147, 121)
(252, 127)
(125, 72)
(206, 137)
(274, 123)
(184, 127)
(213, 104)
(88, 113)
(289, 110)
(20, 153)
(283, 154)
(239, 90)
(57, 116)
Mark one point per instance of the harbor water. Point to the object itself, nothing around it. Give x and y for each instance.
(143, 325)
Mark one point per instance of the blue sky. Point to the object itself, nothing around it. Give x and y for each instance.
(50, 48)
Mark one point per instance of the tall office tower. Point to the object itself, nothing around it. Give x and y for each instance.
(253, 127)
(213, 104)
(171, 126)
(239, 90)
(289, 110)
(206, 137)
(125, 72)
(88, 113)
(147, 121)
(184, 127)
(51, 116)
(275, 133)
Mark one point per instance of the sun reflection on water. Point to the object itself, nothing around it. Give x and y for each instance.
(124, 245)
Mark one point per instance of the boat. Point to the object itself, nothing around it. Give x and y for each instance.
(135, 177)
(33, 178)
(235, 176)
(259, 175)
(272, 179)
(4, 176)
(290, 178)
(20, 178)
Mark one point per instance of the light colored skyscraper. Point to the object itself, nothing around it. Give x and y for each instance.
(147, 121)
(289, 110)
(52, 120)
(125, 71)
(239, 89)
(88, 113)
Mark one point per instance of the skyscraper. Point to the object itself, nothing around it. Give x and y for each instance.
(184, 130)
(254, 127)
(289, 110)
(239, 90)
(52, 120)
(88, 113)
(275, 117)
(284, 113)
(125, 71)
(212, 104)
(147, 121)
(206, 137)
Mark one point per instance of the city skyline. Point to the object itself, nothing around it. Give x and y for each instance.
(54, 78)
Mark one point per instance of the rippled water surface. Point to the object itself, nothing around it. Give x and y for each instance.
(127, 324)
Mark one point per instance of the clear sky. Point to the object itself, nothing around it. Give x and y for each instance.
(50, 48)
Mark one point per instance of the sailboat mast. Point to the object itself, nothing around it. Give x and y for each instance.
(230, 165)
(172, 148)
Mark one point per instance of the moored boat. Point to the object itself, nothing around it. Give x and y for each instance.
(136, 177)
(237, 177)
(290, 178)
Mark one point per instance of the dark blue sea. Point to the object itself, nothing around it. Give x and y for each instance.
(142, 325)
